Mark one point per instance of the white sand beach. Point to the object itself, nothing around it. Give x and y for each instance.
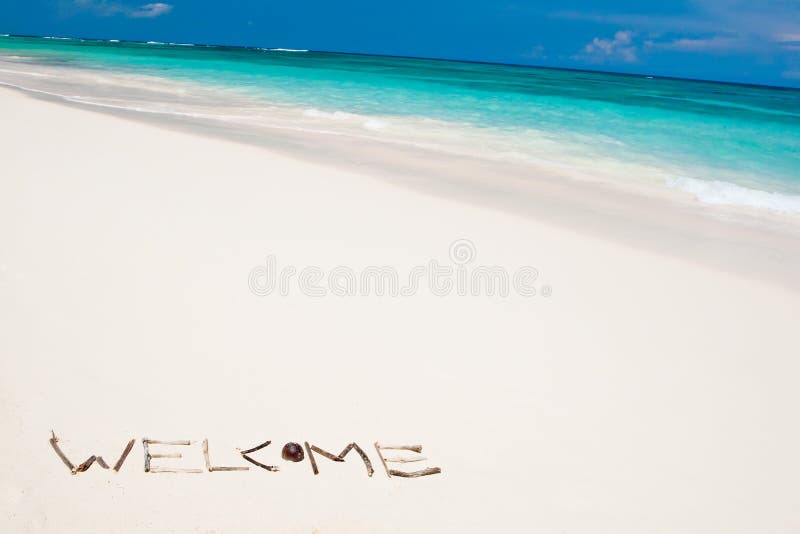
(650, 386)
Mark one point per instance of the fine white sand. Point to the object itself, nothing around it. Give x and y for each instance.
(647, 394)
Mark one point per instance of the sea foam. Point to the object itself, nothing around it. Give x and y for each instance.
(729, 194)
(26, 73)
(335, 115)
(374, 124)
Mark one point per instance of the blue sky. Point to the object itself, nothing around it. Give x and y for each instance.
(755, 41)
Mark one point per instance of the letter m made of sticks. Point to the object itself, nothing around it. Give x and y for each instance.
(91, 460)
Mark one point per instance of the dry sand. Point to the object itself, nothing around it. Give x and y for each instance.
(647, 394)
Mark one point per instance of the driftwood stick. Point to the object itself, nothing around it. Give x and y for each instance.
(244, 454)
(146, 448)
(405, 460)
(124, 455)
(226, 468)
(256, 448)
(416, 474)
(91, 460)
(86, 465)
(361, 453)
(174, 470)
(311, 457)
(148, 456)
(413, 448)
(259, 464)
(327, 455)
(158, 442)
(212, 469)
(340, 457)
(404, 474)
(60, 453)
(380, 455)
(205, 454)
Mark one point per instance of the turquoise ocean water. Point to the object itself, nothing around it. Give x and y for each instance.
(722, 143)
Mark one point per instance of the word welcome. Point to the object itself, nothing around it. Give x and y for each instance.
(291, 452)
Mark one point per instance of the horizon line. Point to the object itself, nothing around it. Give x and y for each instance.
(400, 56)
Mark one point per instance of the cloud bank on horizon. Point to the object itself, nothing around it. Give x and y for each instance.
(729, 40)
(768, 30)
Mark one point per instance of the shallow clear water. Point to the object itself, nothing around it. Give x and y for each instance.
(724, 143)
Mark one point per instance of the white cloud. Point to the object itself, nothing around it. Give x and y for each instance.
(731, 23)
(104, 8)
(767, 19)
(151, 10)
(620, 48)
(639, 21)
(715, 44)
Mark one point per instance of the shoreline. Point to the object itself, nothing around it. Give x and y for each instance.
(763, 183)
(747, 242)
